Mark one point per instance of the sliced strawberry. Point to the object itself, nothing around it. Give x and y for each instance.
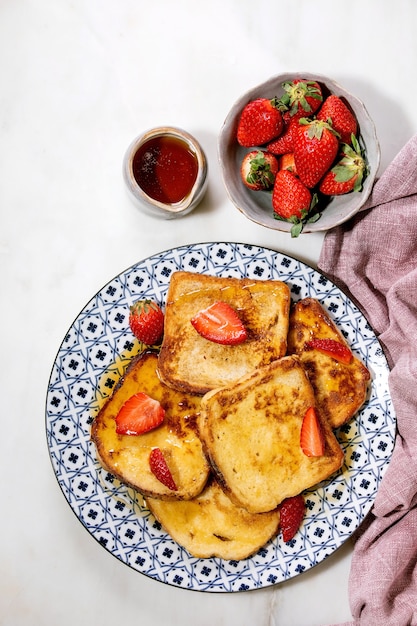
(159, 468)
(292, 512)
(311, 437)
(221, 324)
(331, 347)
(138, 415)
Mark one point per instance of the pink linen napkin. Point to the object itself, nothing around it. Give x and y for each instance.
(373, 258)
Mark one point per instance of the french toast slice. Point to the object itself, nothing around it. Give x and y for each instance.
(189, 362)
(340, 388)
(251, 431)
(127, 456)
(211, 525)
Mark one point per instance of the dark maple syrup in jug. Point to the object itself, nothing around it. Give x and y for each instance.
(165, 168)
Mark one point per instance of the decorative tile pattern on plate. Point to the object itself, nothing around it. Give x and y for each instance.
(92, 357)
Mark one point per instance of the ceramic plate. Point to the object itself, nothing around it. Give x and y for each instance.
(92, 357)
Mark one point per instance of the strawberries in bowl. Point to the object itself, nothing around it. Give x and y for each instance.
(315, 129)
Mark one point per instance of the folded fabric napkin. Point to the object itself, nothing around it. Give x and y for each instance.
(373, 258)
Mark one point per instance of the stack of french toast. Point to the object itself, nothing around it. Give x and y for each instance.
(235, 434)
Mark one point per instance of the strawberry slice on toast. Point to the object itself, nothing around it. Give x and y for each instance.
(331, 347)
(138, 415)
(311, 437)
(159, 468)
(221, 324)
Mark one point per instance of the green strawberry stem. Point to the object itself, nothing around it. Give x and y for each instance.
(316, 127)
(296, 94)
(260, 171)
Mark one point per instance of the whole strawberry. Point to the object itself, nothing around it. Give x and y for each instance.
(258, 170)
(315, 149)
(290, 197)
(301, 97)
(287, 162)
(146, 321)
(348, 173)
(342, 119)
(284, 143)
(260, 121)
(292, 200)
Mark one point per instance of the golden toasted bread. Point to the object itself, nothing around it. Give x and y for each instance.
(251, 430)
(340, 388)
(210, 525)
(189, 362)
(127, 456)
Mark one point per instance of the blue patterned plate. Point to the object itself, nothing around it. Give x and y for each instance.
(93, 356)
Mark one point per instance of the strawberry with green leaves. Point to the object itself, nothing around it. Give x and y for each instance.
(347, 174)
(146, 321)
(290, 197)
(292, 200)
(258, 170)
(221, 324)
(311, 438)
(301, 97)
(315, 148)
(139, 414)
(292, 511)
(342, 119)
(260, 121)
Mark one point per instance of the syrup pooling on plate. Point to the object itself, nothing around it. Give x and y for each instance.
(127, 456)
(165, 168)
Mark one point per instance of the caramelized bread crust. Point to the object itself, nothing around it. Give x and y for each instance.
(191, 363)
(340, 388)
(211, 525)
(251, 431)
(233, 414)
(127, 456)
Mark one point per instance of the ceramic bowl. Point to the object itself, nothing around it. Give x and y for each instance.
(256, 205)
(146, 200)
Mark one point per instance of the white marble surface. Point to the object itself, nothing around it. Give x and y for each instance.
(79, 79)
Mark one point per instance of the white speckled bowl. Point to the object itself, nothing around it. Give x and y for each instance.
(256, 205)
